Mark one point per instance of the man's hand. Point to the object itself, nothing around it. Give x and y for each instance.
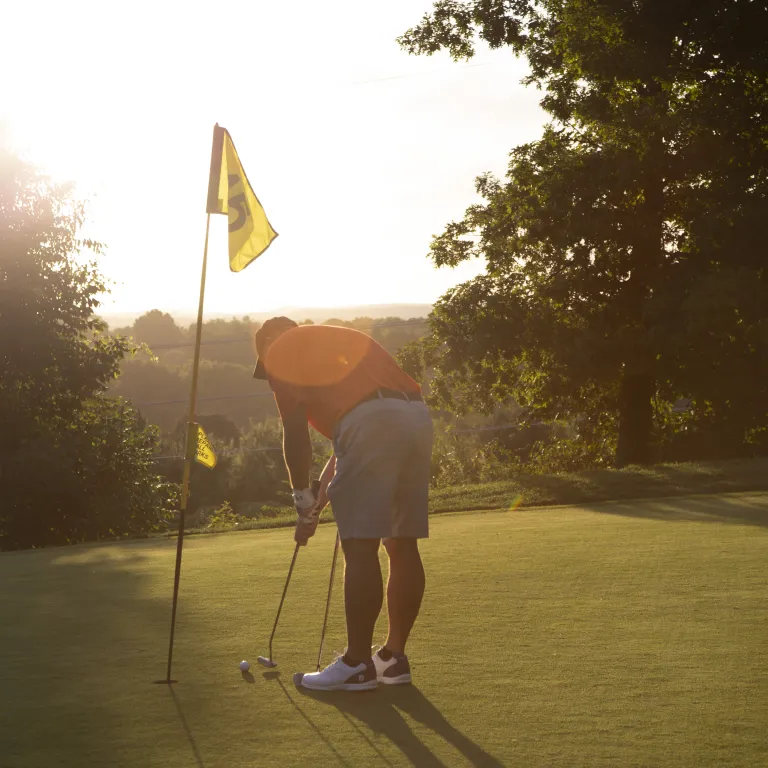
(307, 524)
(307, 511)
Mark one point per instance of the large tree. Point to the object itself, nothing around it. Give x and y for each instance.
(625, 262)
(74, 464)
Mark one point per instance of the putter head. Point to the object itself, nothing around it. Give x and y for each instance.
(266, 662)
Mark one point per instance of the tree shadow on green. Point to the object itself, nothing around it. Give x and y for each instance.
(702, 509)
(79, 638)
(599, 485)
(382, 711)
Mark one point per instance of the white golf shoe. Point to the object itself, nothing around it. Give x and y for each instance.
(339, 676)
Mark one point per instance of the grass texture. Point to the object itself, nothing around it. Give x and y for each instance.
(600, 634)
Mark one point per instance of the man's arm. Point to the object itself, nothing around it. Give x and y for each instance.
(297, 447)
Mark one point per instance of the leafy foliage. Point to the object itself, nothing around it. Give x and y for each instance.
(625, 262)
(248, 472)
(224, 518)
(74, 464)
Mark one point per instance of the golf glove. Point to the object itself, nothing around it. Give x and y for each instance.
(305, 504)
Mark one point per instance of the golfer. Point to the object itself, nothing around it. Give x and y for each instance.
(350, 389)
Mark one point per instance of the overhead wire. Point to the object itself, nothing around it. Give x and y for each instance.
(241, 340)
(244, 339)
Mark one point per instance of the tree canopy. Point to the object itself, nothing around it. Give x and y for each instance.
(625, 259)
(74, 464)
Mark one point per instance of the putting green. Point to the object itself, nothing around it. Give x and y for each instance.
(620, 634)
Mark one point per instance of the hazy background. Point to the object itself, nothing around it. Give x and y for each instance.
(359, 152)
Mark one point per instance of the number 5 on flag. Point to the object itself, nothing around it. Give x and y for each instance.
(230, 192)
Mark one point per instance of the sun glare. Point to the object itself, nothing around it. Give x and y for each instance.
(359, 159)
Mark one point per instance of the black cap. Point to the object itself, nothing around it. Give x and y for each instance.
(271, 329)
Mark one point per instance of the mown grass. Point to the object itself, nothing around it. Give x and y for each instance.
(531, 490)
(611, 634)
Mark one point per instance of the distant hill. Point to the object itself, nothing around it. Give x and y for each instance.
(184, 317)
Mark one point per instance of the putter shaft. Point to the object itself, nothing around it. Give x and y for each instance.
(282, 600)
(315, 485)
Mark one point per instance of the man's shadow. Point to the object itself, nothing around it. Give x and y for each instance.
(381, 711)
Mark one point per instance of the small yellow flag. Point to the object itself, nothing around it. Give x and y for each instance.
(204, 453)
(230, 192)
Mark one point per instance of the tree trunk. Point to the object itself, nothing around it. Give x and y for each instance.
(638, 381)
(635, 420)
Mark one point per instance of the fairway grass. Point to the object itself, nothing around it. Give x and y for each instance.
(616, 634)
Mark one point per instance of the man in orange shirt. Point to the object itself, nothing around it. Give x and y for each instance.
(351, 390)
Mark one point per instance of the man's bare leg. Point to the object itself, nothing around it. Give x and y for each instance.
(363, 594)
(405, 590)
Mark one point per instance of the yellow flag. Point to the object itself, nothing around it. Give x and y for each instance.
(204, 452)
(230, 192)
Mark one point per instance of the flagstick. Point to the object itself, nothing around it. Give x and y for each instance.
(189, 453)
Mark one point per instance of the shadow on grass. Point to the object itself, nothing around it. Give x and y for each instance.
(382, 711)
(80, 633)
(318, 732)
(187, 729)
(703, 509)
(599, 485)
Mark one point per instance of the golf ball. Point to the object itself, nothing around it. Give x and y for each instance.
(244, 666)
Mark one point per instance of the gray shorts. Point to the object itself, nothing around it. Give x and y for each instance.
(383, 455)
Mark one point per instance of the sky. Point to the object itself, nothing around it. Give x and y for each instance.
(358, 152)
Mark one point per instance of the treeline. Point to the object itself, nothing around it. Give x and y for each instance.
(158, 384)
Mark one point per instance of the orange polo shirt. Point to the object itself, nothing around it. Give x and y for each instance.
(328, 370)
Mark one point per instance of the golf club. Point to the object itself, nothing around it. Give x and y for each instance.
(261, 659)
(328, 601)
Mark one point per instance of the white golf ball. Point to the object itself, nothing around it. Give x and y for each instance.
(244, 666)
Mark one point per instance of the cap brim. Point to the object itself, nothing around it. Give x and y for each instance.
(259, 372)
